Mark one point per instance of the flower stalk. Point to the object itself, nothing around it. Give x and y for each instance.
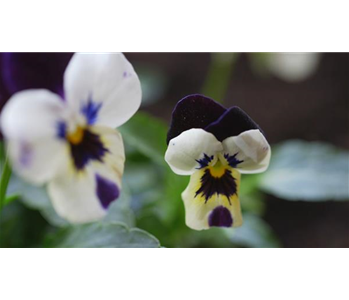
(218, 75)
(4, 181)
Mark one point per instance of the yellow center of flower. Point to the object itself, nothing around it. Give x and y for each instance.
(217, 170)
(76, 137)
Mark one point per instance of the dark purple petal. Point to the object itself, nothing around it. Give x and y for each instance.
(220, 217)
(107, 191)
(4, 95)
(233, 122)
(193, 111)
(20, 71)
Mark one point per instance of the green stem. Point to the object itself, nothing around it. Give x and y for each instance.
(4, 181)
(217, 79)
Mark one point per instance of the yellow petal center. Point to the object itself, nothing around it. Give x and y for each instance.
(77, 136)
(217, 170)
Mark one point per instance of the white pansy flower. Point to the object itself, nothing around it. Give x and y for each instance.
(70, 144)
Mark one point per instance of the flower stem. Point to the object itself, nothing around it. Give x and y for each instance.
(4, 181)
(218, 75)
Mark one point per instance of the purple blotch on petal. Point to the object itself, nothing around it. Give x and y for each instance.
(107, 191)
(61, 129)
(233, 122)
(193, 111)
(220, 217)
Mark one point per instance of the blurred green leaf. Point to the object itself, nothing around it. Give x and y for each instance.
(4, 181)
(21, 227)
(120, 211)
(35, 198)
(104, 235)
(309, 171)
(254, 232)
(147, 134)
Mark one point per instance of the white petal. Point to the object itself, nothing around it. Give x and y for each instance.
(108, 80)
(29, 122)
(293, 66)
(84, 196)
(191, 145)
(252, 148)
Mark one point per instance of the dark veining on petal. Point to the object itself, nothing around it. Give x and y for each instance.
(90, 111)
(106, 190)
(224, 185)
(220, 217)
(204, 162)
(90, 148)
(232, 160)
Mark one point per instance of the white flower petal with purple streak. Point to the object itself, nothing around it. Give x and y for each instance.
(29, 122)
(85, 196)
(104, 88)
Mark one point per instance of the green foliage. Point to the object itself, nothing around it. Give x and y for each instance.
(4, 181)
(103, 235)
(309, 171)
(255, 233)
(146, 134)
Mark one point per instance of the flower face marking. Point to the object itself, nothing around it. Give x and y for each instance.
(217, 179)
(74, 148)
(214, 151)
(86, 146)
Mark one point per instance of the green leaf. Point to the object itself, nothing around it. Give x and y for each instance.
(36, 198)
(120, 211)
(148, 135)
(309, 171)
(4, 181)
(254, 232)
(105, 235)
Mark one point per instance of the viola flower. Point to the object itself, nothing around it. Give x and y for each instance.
(214, 145)
(70, 143)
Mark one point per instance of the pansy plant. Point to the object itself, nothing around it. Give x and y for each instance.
(214, 145)
(69, 142)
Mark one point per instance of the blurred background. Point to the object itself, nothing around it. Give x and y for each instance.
(299, 100)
